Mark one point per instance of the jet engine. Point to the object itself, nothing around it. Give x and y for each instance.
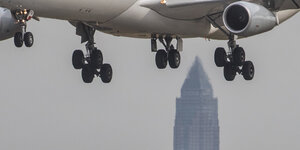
(8, 24)
(247, 19)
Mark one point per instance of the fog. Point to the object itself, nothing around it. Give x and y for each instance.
(44, 105)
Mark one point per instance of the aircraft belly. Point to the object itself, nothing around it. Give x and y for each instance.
(141, 22)
(84, 10)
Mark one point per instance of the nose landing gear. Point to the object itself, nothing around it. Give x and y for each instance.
(22, 16)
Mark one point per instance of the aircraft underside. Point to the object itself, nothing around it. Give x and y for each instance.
(160, 21)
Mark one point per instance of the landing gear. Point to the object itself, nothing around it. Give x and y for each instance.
(96, 59)
(233, 60)
(248, 70)
(91, 63)
(18, 39)
(239, 56)
(220, 57)
(22, 16)
(174, 58)
(78, 59)
(161, 59)
(87, 74)
(28, 39)
(106, 73)
(169, 54)
(229, 72)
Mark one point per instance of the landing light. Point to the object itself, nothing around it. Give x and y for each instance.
(163, 1)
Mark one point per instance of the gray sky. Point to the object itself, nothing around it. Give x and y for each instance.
(44, 105)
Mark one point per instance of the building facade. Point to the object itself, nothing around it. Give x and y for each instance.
(196, 123)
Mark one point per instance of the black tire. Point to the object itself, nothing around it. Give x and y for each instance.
(229, 72)
(220, 57)
(78, 59)
(239, 56)
(18, 39)
(174, 59)
(28, 39)
(248, 70)
(96, 59)
(87, 74)
(106, 73)
(161, 59)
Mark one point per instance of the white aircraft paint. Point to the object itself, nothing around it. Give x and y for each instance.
(133, 18)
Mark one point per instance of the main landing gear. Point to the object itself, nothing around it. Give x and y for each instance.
(169, 54)
(234, 61)
(22, 16)
(91, 64)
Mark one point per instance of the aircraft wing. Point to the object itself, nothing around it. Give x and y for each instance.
(187, 9)
(195, 9)
(181, 3)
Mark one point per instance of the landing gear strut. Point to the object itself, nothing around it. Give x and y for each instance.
(22, 16)
(233, 60)
(91, 64)
(169, 54)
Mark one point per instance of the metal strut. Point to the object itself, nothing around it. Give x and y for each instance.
(22, 16)
(87, 35)
(166, 41)
(232, 42)
(296, 4)
(213, 22)
(232, 45)
(231, 37)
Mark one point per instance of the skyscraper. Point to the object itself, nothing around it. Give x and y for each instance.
(196, 124)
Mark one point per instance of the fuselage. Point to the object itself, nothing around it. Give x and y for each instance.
(87, 10)
(119, 17)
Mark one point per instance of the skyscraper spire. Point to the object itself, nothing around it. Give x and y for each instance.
(196, 124)
(197, 81)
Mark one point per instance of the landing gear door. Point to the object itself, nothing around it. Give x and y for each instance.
(153, 45)
(179, 44)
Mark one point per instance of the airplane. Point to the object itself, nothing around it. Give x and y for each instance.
(165, 22)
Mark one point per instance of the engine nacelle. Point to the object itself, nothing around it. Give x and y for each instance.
(247, 19)
(8, 24)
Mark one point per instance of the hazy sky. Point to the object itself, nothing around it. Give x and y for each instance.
(44, 105)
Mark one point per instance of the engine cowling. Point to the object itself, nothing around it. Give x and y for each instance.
(8, 24)
(247, 19)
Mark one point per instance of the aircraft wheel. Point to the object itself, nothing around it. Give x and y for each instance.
(220, 57)
(87, 74)
(18, 39)
(161, 59)
(248, 70)
(106, 73)
(96, 59)
(239, 56)
(229, 72)
(28, 39)
(78, 59)
(174, 59)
